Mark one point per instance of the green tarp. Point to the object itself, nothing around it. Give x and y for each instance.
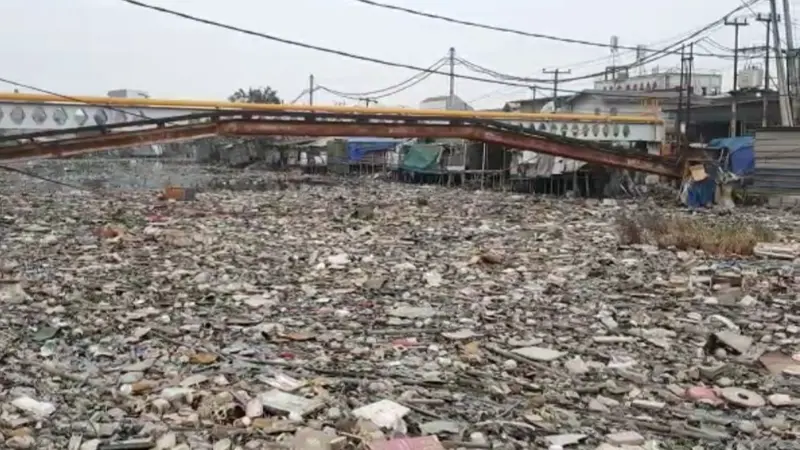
(422, 158)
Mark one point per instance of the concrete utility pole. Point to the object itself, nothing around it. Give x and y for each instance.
(736, 24)
(533, 92)
(556, 73)
(792, 69)
(451, 97)
(311, 89)
(783, 92)
(767, 20)
(689, 88)
(679, 119)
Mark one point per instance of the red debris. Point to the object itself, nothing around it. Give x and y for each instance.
(703, 394)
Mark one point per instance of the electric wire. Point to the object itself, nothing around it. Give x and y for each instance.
(30, 174)
(719, 46)
(303, 44)
(646, 60)
(506, 91)
(402, 85)
(70, 98)
(745, 4)
(362, 96)
(302, 94)
(378, 93)
(486, 71)
(392, 63)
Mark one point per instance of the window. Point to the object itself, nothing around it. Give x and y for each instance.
(705, 90)
(627, 87)
(613, 111)
(641, 86)
(597, 111)
(655, 85)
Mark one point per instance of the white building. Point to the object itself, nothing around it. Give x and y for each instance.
(128, 93)
(703, 83)
(441, 102)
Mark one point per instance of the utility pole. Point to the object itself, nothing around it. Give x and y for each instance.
(792, 69)
(679, 120)
(533, 92)
(767, 20)
(311, 89)
(556, 73)
(689, 88)
(736, 24)
(367, 101)
(451, 97)
(783, 94)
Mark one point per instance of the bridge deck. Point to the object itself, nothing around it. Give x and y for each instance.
(32, 112)
(244, 123)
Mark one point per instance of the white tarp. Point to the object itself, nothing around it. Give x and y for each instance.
(532, 164)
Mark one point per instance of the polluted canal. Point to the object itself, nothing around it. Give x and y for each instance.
(380, 315)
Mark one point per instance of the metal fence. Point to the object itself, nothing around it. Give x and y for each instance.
(777, 161)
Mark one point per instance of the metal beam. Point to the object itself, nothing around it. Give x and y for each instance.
(472, 132)
(99, 142)
(506, 136)
(204, 105)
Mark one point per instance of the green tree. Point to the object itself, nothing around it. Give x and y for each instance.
(256, 95)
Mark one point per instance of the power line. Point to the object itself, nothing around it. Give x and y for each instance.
(69, 98)
(646, 60)
(402, 86)
(377, 93)
(361, 96)
(709, 27)
(43, 178)
(593, 61)
(308, 46)
(528, 34)
(502, 76)
(382, 61)
(302, 94)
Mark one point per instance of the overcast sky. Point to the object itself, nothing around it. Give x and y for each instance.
(92, 46)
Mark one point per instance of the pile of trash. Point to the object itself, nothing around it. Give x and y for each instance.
(382, 316)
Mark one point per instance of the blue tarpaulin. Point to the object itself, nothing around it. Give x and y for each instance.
(357, 148)
(701, 193)
(741, 156)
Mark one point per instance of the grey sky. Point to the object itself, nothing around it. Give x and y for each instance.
(92, 46)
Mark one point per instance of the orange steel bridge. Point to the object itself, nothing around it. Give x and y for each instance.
(280, 120)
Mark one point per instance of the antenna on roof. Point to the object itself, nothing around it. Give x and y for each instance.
(641, 52)
(614, 50)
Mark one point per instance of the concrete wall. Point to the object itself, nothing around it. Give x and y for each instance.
(712, 82)
(596, 105)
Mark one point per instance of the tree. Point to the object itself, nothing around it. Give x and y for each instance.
(256, 95)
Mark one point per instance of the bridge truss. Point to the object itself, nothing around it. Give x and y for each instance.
(249, 123)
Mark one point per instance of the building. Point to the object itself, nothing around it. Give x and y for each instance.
(704, 83)
(711, 117)
(128, 93)
(531, 105)
(442, 102)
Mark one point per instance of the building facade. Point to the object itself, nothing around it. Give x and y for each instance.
(703, 83)
(444, 102)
